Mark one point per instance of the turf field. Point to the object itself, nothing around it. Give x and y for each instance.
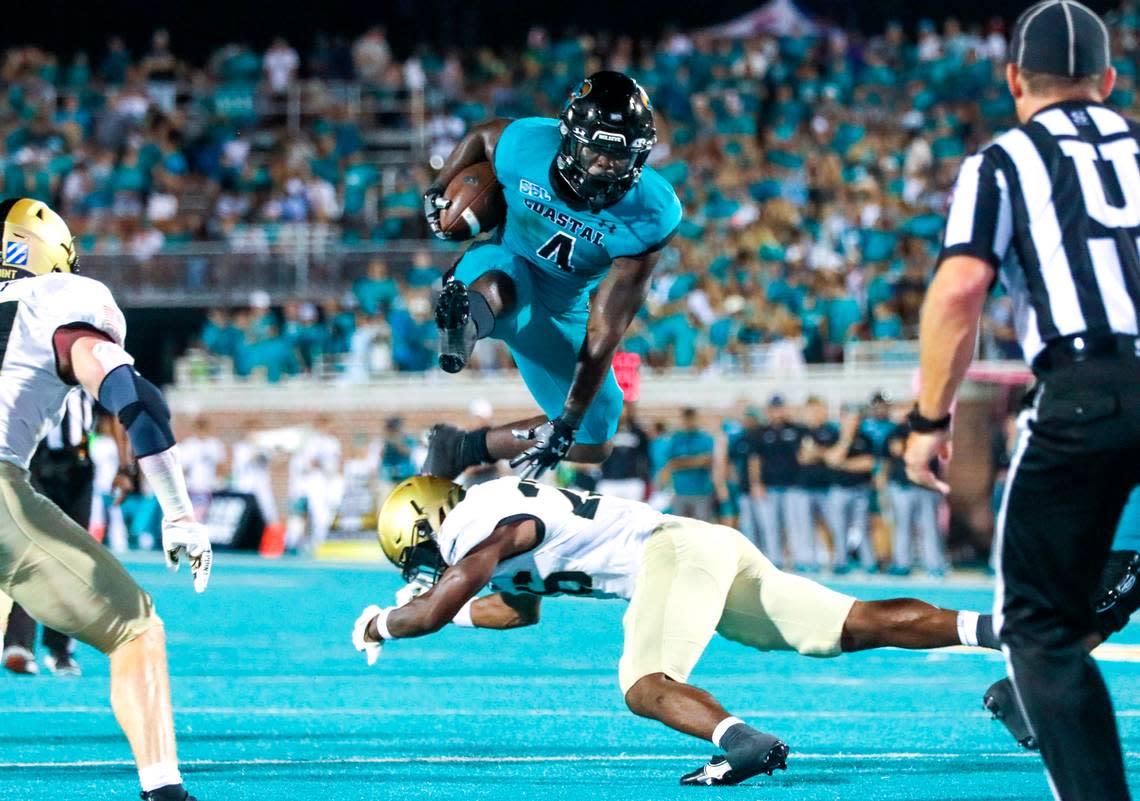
(271, 702)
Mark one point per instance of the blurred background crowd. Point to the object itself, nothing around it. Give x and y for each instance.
(814, 168)
(817, 490)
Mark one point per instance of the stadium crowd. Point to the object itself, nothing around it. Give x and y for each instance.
(814, 171)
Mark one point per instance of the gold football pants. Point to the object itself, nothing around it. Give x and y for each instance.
(697, 578)
(60, 575)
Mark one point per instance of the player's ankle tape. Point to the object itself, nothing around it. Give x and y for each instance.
(481, 315)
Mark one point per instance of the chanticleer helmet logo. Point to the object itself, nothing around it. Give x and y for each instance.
(582, 90)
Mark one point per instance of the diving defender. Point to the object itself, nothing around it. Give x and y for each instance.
(684, 579)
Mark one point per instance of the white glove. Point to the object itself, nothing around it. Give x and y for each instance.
(370, 648)
(413, 589)
(191, 538)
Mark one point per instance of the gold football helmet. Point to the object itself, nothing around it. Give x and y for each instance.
(412, 513)
(34, 240)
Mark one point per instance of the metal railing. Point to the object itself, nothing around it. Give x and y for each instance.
(304, 264)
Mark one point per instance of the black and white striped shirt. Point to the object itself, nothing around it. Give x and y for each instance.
(1054, 206)
(78, 420)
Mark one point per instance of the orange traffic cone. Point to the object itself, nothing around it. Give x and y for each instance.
(272, 541)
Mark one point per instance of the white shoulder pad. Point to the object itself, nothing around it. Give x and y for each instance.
(67, 299)
(469, 523)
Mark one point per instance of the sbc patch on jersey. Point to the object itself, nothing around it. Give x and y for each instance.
(16, 254)
(533, 190)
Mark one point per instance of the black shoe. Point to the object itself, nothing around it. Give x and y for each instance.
(456, 328)
(171, 792)
(1000, 701)
(445, 452)
(719, 771)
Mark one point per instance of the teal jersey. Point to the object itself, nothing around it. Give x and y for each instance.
(573, 249)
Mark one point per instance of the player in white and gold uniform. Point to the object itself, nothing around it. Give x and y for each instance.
(684, 579)
(59, 331)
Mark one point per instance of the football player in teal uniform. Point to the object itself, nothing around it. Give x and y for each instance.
(563, 276)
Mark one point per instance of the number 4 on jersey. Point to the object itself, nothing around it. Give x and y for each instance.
(560, 250)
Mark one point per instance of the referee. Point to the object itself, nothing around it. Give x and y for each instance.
(1053, 209)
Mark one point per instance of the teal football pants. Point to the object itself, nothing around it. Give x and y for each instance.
(544, 334)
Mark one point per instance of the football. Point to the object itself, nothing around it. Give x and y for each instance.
(477, 203)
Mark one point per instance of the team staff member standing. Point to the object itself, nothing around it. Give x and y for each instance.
(849, 499)
(690, 465)
(1061, 195)
(774, 472)
(915, 512)
(815, 476)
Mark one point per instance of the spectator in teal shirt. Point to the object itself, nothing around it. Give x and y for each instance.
(690, 463)
(377, 291)
(414, 336)
(396, 455)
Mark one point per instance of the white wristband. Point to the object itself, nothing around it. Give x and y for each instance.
(463, 616)
(382, 624)
(164, 472)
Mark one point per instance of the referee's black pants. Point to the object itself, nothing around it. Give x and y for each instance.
(1076, 463)
(71, 490)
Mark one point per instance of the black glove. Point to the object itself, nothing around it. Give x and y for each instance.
(434, 203)
(553, 440)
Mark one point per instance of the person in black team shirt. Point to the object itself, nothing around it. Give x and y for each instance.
(915, 511)
(816, 477)
(741, 448)
(773, 473)
(849, 499)
(625, 473)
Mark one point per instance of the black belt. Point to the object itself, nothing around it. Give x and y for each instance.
(1087, 348)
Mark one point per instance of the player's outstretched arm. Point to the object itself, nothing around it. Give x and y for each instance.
(104, 369)
(613, 307)
(619, 297)
(504, 610)
(453, 597)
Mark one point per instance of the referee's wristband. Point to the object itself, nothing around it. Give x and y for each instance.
(921, 424)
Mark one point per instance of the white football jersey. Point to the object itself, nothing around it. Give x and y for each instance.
(32, 394)
(589, 545)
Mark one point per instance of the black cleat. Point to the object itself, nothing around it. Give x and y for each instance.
(1002, 704)
(171, 792)
(445, 452)
(718, 771)
(456, 328)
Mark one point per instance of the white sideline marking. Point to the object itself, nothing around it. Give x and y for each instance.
(496, 760)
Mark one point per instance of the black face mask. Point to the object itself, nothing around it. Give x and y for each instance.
(598, 173)
(423, 557)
